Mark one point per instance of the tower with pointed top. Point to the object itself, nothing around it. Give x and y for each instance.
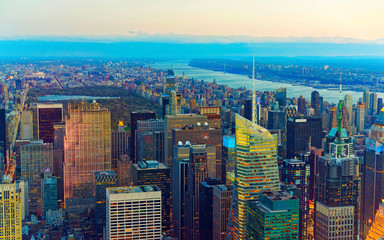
(255, 171)
(337, 187)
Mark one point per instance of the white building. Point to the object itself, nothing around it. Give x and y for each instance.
(133, 213)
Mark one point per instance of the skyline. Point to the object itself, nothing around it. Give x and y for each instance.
(255, 21)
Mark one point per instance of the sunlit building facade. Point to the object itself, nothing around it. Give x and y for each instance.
(87, 149)
(376, 231)
(255, 171)
(10, 210)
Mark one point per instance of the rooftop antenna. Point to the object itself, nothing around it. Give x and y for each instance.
(253, 91)
(340, 116)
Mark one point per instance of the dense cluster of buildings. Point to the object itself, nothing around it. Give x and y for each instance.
(215, 165)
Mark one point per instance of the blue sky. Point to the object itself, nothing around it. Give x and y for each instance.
(196, 20)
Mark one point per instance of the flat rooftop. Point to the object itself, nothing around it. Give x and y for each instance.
(134, 189)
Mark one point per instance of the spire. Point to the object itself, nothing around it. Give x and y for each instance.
(253, 92)
(340, 115)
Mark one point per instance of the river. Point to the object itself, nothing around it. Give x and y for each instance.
(236, 80)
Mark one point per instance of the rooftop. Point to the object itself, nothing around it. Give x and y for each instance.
(278, 195)
(120, 190)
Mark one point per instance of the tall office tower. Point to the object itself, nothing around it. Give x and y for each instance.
(103, 180)
(87, 147)
(315, 103)
(47, 114)
(26, 128)
(206, 207)
(301, 105)
(332, 121)
(213, 116)
(348, 104)
(337, 190)
(277, 122)
(135, 116)
(379, 105)
(23, 189)
(197, 172)
(296, 172)
(274, 216)
(299, 130)
(376, 232)
(202, 134)
(124, 171)
(221, 206)
(281, 96)
(177, 121)
(179, 188)
(150, 140)
(360, 116)
(48, 192)
(256, 150)
(373, 174)
(10, 210)
(3, 142)
(119, 144)
(134, 213)
(156, 174)
(229, 159)
(170, 83)
(58, 158)
(35, 158)
(373, 104)
(314, 156)
(366, 99)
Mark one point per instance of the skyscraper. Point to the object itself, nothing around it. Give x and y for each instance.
(47, 114)
(87, 149)
(299, 130)
(150, 140)
(360, 116)
(348, 105)
(379, 105)
(119, 143)
(103, 180)
(301, 105)
(3, 141)
(255, 150)
(221, 206)
(373, 103)
(134, 213)
(373, 174)
(177, 121)
(35, 158)
(156, 174)
(197, 172)
(179, 188)
(206, 207)
(315, 102)
(10, 210)
(201, 133)
(296, 172)
(135, 116)
(274, 216)
(277, 121)
(337, 191)
(48, 191)
(26, 128)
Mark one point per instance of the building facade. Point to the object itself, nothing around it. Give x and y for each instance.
(47, 114)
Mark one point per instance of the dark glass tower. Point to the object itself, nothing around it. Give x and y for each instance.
(47, 114)
(299, 130)
(103, 180)
(315, 102)
(206, 207)
(135, 116)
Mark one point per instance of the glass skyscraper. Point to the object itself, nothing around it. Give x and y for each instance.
(255, 171)
(47, 114)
